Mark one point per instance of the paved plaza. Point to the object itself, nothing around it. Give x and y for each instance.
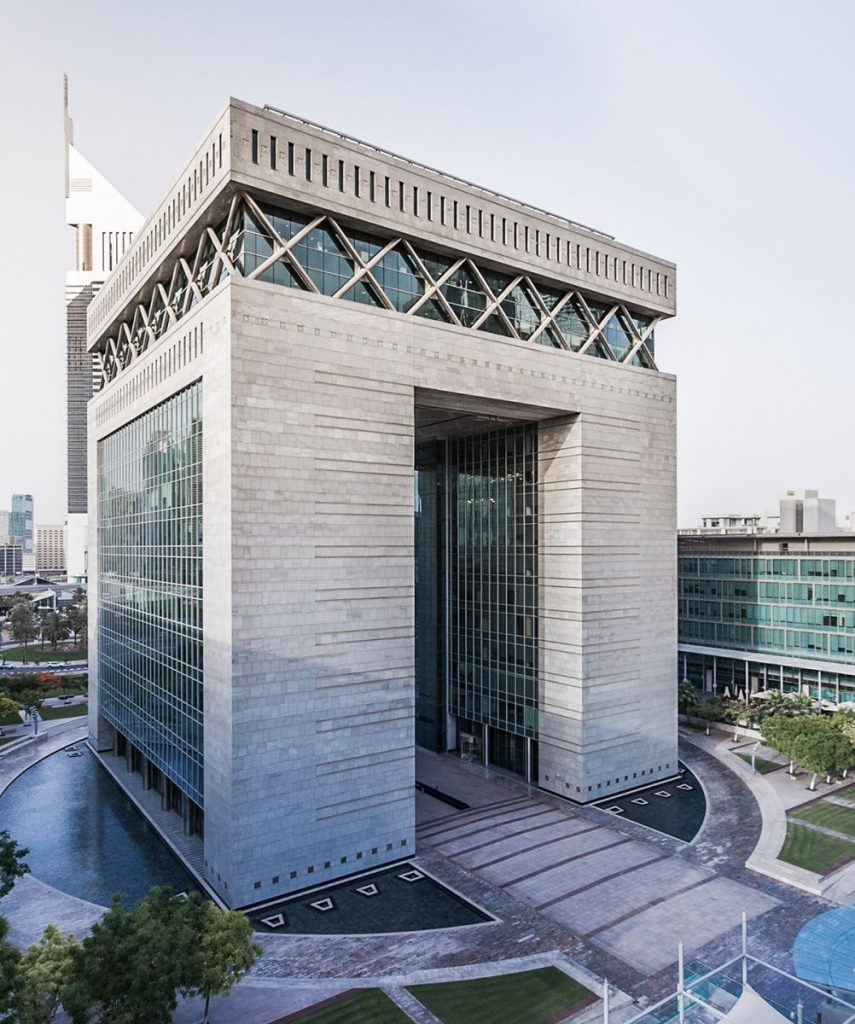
(575, 886)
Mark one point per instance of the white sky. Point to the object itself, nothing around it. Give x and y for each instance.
(719, 135)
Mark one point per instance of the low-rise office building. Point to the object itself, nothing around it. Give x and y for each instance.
(51, 550)
(770, 610)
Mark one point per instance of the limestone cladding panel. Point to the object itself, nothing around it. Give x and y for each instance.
(322, 676)
(608, 568)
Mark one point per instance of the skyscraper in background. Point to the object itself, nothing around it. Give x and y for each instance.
(104, 223)
(21, 528)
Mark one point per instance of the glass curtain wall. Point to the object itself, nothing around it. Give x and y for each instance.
(150, 586)
(492, 622)
(430, 589)
(476, 593)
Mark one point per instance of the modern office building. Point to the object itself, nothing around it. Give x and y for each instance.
(4, 526)
(311, 343)
(50, 550)
(11, 560)
(21, 530)
(770, 610)
(104, 223)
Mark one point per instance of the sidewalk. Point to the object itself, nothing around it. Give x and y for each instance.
(776, 793)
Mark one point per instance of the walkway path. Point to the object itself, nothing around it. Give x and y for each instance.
(575, 885)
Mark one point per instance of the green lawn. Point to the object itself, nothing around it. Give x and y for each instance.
(814, 850)
(8, 739)
(763, 766)
(35, 653)
(833, 816)
(369, 1005)
(68, 711)
(525, 998)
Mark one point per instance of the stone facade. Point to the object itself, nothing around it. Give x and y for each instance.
(308, 547)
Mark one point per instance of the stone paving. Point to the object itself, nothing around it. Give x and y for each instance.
(604, 895)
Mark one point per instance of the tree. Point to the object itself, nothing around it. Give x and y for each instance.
(687, 697)
(48, 681)
(9, 959)
(23, 626)
(779, 732)
(820, 748)
(224, 952)
(76, 616)
(12, 864)
(54, 628)
(131, 966)
(43, 973)
(8, 706)
(709, 712)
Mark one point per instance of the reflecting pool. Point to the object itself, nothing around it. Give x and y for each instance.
(84, 835)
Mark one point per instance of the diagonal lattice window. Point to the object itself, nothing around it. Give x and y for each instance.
(618, 336)
(465, 295)
(400, 279)
(324, 259)
(296, 250)
(521, 308)
(573, 324)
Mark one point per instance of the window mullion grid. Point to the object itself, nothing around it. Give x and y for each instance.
(436, 294)
(641, 344)
(596, 329)
(284, 252)
(540, 305)
(178, 272)
(430, 285)
(143, 315)
(197, 263)
(360, 266)
(191, 281)
(164, 298)
(364, 270)
(221, 252)
(551, 321)
(495, 305)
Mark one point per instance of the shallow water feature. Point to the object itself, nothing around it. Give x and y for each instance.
(676, 808)
(84, 836)
(384, 901)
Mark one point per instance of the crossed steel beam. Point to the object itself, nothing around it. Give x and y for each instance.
(219, 254)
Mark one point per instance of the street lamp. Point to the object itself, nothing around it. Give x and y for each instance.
(753, 758)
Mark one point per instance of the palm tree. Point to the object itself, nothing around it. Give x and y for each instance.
(54, 628)
(76, 618)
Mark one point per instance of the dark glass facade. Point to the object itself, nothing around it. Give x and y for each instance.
(476, 591)
(150, 586)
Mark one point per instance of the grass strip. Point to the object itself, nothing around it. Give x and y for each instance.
(812, 850)
(528, 997)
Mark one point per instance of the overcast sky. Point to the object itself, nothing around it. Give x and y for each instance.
(716, 134)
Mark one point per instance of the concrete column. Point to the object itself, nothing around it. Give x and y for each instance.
(146, 773)
(485, 744)
(187, 814)
(528, 759)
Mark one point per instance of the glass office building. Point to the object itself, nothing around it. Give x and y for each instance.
(150, 595)
(768, 611)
